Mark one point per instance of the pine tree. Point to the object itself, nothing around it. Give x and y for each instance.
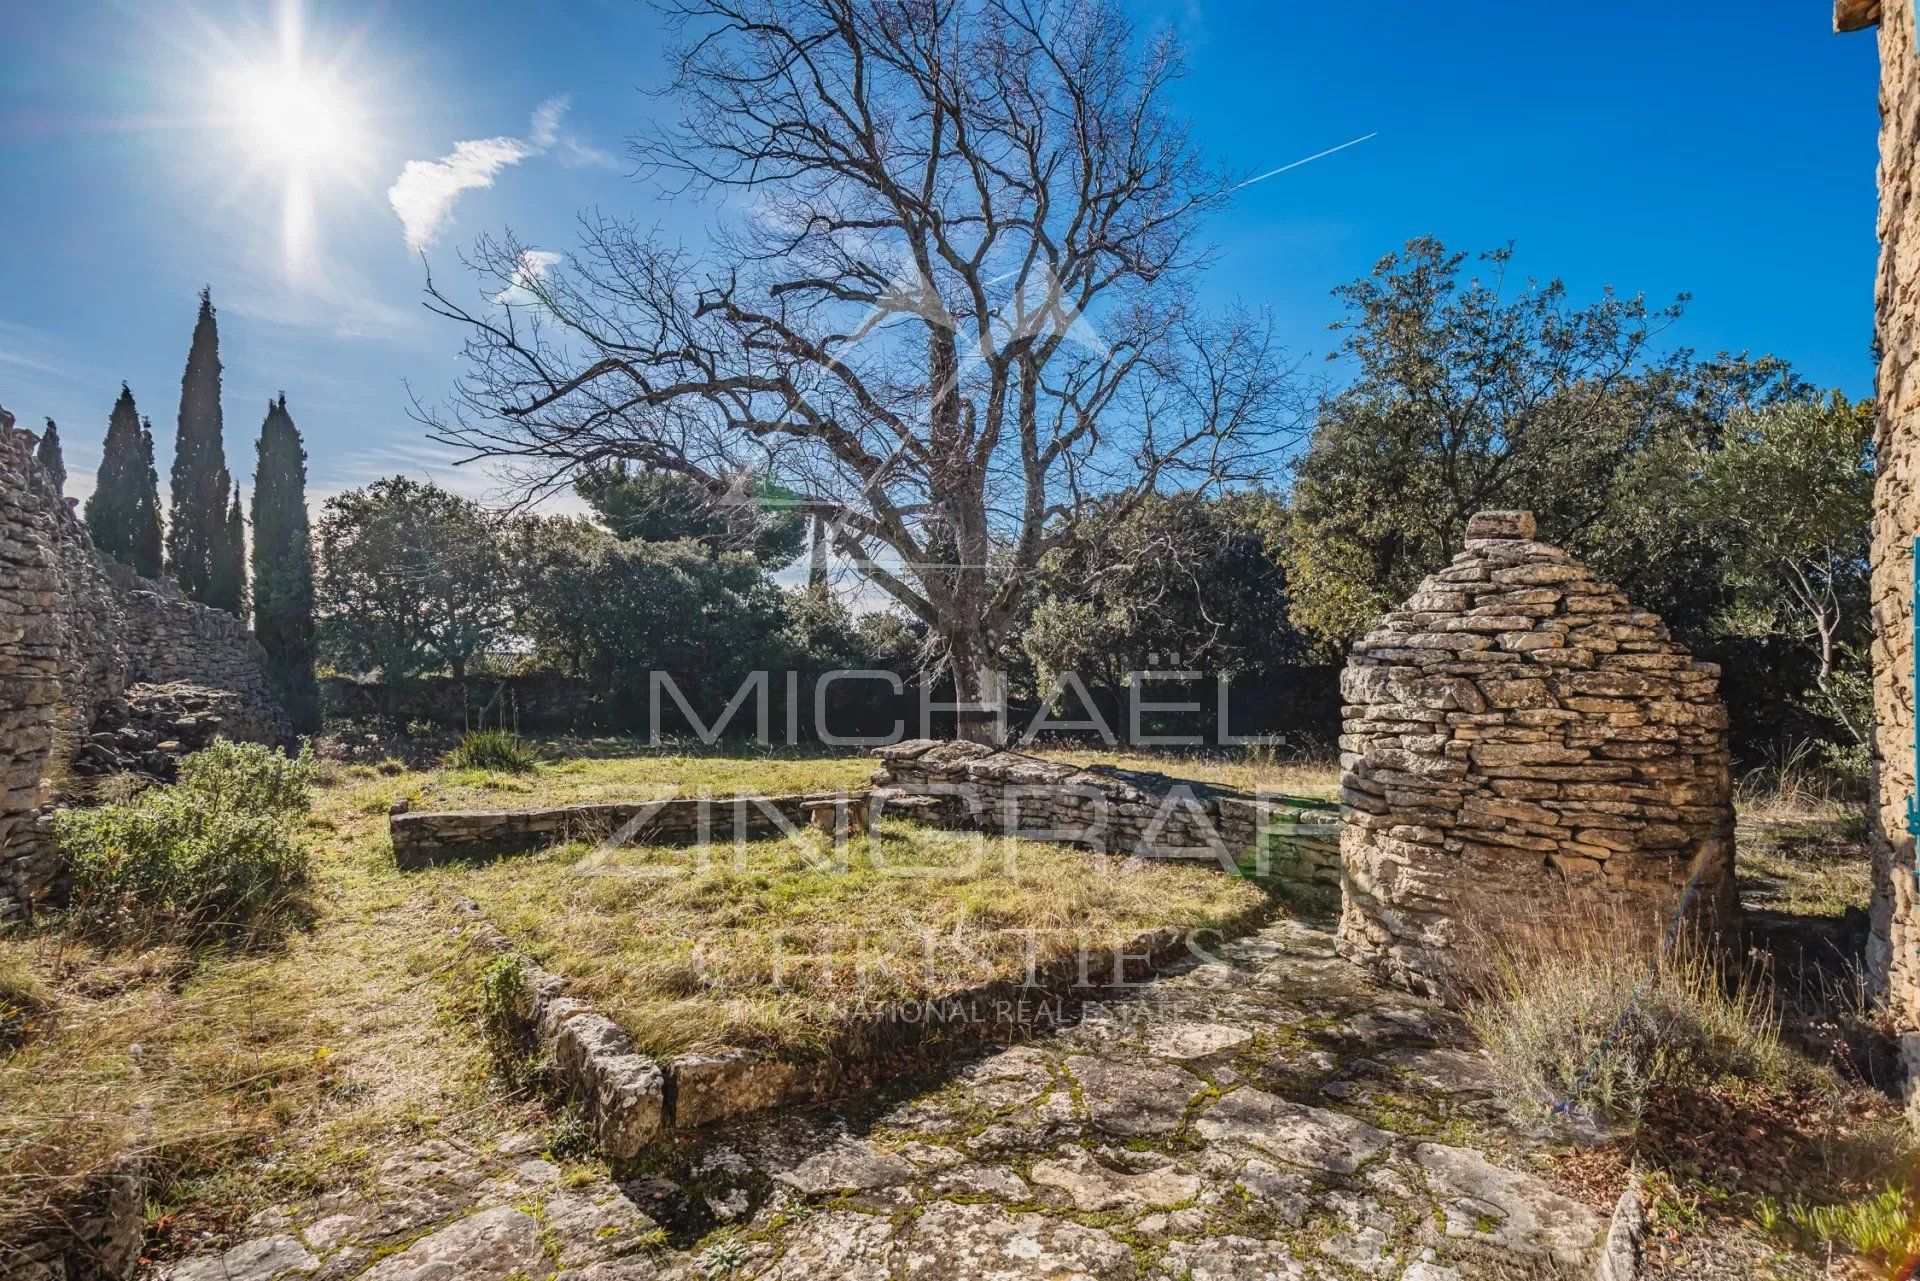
(112, 510)
(283, 566)
(148, 538)
(49, 455)
(228, 587)
(197, 528)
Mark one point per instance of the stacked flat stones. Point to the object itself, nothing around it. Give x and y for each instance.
(1520, 741)
(74, 630)
(1134, 813)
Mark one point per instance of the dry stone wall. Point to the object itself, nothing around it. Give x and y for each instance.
(1893, 949)
(1127, 812)
(74, 631)
(431, 837)
(1520, 740)
(175, 640)
(62, 654)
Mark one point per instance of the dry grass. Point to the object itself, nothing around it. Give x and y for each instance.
(250, 1077)
(780, 943)
(242, 1077)
(1250, 769)
(623, 770)
(1593, 1017)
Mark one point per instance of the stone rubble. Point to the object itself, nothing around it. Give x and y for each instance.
(1520, 741)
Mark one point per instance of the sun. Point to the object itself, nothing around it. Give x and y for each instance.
(294, 117)
(292, 114)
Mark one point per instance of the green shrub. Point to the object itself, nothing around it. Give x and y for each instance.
(213, 854)
(1594, 1020)
(506, 1019)
(1881, 1223)
(250, 779)
(491, 749)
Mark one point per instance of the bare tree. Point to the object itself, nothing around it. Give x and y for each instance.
(951, 308)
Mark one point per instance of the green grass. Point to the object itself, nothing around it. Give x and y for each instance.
(491, 749)
(778, 944)
(623, 770)
(1251, 769)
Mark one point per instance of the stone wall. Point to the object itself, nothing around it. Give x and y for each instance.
(61, 655)
(1126, 812)
(430, 837)
(1520, 740)
(74, 631)
(173, 639)
(1893, 949)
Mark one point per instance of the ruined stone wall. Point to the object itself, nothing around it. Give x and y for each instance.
(171, 638)
(1126, 812)
(60, 655)
(74, 632)
(1520, 740)
(1894, 946)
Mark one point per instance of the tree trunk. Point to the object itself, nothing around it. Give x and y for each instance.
(976, 682)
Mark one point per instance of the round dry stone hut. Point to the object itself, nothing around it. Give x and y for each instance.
(1522, 745)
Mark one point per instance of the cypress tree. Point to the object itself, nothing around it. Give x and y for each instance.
(112, 510)
(197, 527)
(283, 566)
(228, 587)
(147, 536)
(48, 454)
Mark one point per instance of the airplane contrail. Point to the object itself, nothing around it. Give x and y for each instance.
(1307, 159)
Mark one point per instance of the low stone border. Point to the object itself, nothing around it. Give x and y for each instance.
(426, 839)
(631, 1100)
(1133, 813)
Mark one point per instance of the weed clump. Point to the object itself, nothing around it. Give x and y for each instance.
(491, 749)
(1594, 1022)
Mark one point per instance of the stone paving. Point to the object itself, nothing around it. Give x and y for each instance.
(1270, 1113)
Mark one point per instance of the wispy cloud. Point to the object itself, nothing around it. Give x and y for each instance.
(533, 267)
(424, 194)
(425, 191)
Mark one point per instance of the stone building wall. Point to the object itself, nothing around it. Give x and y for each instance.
(1894, 945)
(1520, 740)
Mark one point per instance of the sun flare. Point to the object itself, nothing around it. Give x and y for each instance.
(294, 117)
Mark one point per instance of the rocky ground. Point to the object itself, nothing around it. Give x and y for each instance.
(1269, 1113)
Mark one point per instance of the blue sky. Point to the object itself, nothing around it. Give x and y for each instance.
(1727, 151)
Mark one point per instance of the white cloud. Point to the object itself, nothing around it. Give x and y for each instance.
(424, 194)
(533, 266)
(545, 126)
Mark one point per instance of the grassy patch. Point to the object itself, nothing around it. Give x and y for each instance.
(776, 944)
(1809, 860)
(626, 770)
(1252, 769)
(245, 1077)
(1587, 1019)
